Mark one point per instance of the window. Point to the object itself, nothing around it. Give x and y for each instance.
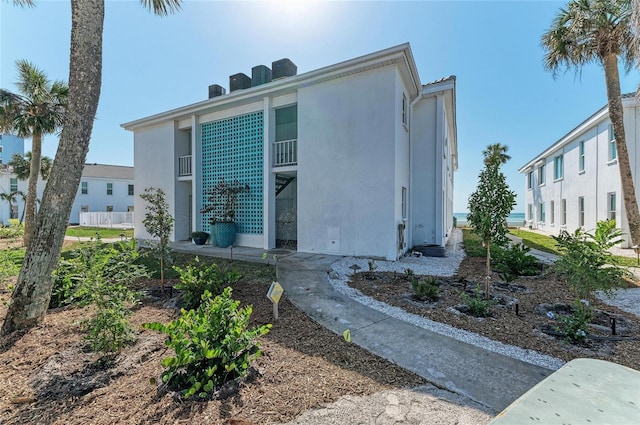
(0, 148)
(130, 190)
(109, 188)
(611, 204)
(613, 151)
(552, 210)
(109, 208)
(404, 109)
(130, 208)
(581, 211)
(287, 123)
(84, 208)
(558, 167)
(404, 202)
(84, 187)
(581, 156)
(541, 172)
(13, 184)
(529, 180)
(541, 212)
(530, 211)
(563, 212)
(14, 212)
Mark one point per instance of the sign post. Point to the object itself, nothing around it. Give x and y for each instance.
(274, 294)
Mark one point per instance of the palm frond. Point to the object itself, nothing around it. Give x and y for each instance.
(162, 7)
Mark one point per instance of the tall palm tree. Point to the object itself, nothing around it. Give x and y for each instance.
(22, 166)
(30, 298)
(599, 31)
(496, 154)
(38, 110)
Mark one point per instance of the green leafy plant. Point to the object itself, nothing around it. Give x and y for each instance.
(13, 231)
(159, 223)
(8, 265)
(477, 305)
(426, 289)
(212, 345)
(224, 200)
(197, 278)
(513, 260)
(574, 326)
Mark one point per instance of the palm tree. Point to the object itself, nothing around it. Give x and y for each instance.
(496, 154)
(599, 31)
(9, 197)
(22, 166)
(30, 298)
(37, 111)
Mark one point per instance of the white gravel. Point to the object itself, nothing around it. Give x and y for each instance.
(435, 266)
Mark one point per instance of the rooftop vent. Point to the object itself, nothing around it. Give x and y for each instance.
(283, 68)
(239, 81)
(216, 90)
(260, 75)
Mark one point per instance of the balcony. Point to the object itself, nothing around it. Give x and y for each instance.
(184, 166)
(285, 153)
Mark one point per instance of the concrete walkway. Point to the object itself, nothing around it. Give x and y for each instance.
(488, 378)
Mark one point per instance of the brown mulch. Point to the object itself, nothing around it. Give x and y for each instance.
(530, 328)
(47, 376)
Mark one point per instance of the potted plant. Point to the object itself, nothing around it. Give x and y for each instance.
(199, 237)
(224, 205)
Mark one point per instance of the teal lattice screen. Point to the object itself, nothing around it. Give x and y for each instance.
(233, 148)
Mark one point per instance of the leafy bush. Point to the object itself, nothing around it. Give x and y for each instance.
(513, 261)
(574, 326)
(477, 305)
(212, 345)
(427, 289)
(14, 230)
(195, 279)
(9, 264)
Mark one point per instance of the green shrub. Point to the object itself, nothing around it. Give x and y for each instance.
(427, 289)
(574, 326)
(13, 231)
(212, 345)
(513, 261)
(477, 305)
(195, 279)
(9, 264)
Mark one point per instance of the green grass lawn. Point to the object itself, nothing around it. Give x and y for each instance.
(105, 233)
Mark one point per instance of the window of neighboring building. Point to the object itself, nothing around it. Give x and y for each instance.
(84, 187)
(109, 208)
(13, 214)
(0, 148)
(404, 202)
(541, 212)
(581, 156)
(563, 212)
(541, 171)
(404, 109)
(581, 211)
(109, 188)
(529, 179)
(84, 208)
(530, 211)
(611, 203)
(558, 167)
(613, 151)
(130, 208)
(130, 190)
(552, 211)
(13, 184)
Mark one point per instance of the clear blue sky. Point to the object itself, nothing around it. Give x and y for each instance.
(152, 64)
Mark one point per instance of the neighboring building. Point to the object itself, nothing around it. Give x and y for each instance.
(10, 145)
(576, 181)
(356, 158)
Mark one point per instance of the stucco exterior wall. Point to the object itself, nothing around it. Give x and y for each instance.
(97, 199)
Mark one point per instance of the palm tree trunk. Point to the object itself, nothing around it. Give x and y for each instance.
(32, 187)
(32, 294)
(614, 99)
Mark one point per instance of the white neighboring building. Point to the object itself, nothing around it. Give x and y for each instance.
(356, 158)
(576, 182)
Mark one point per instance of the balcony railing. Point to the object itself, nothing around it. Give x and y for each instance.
(285, 153)
(184, 166)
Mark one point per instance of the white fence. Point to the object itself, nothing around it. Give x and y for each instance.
(107, 219)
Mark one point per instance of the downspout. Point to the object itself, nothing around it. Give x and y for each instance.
(419, 97)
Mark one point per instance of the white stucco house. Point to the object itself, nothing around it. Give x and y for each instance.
(356, 158)
(575, 182)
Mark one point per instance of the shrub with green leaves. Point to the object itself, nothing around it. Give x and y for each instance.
(13, 231)
(197, 278)
(425, 289)
(513, 260)
(574, 326)
(476, 303)
(212, 345)
(9, 264)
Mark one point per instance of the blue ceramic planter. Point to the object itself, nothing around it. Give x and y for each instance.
(225, 234)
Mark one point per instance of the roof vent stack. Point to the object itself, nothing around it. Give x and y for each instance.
(216, 90)
(283, 68)
(239, 81)
(260, 74)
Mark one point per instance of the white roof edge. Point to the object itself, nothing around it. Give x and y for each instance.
(283, 84)
(596, 117)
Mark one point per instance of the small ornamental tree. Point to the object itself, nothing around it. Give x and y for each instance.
(159, 223)
(491, 203)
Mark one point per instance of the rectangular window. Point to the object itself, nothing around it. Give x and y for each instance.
(541, 212)
(611, 203)
(13, 184)
(581, 211)
(581, 157)
(558, 167)
(563, 212)
(84, 208)
(530, 211)
(529, 180)
(0, 148)
(541, 173)
(287, 123)
(552, 211)
(404, 109)
(84, 188)
(130, 190)
(613, 151)
(404, 202)
(109, 188)
(109, 208)
(14, 212)
(130, 208)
